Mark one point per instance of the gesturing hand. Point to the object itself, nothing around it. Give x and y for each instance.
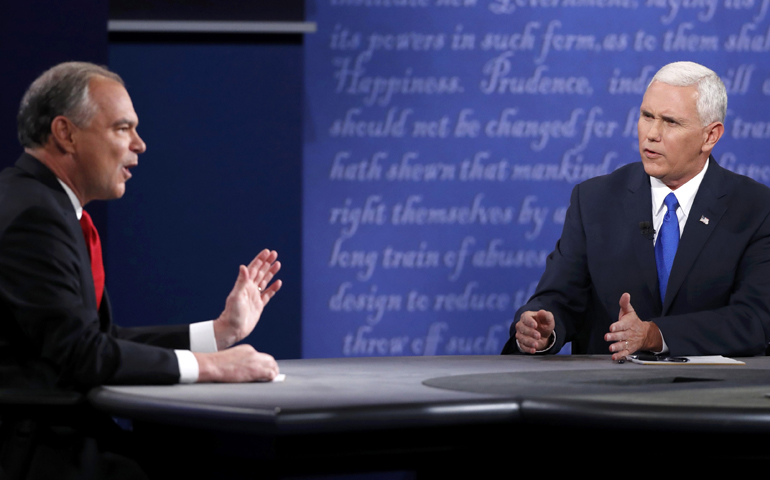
(631, 334)
(534, 330)
(247, 299)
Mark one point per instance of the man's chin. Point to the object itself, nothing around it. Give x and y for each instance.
(117, 192)
(652, 169)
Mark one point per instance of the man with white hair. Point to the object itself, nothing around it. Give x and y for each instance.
(670, 255)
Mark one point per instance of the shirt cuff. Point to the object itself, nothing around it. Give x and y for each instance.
(202, 338)
(550, 345)
(188, 366)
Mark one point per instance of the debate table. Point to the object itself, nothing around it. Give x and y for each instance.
(455, 415)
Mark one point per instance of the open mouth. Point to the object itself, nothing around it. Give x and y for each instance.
(651, 153)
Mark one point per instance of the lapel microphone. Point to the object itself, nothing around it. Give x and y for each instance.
(645, 228)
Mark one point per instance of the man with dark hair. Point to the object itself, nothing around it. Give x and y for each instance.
(79, 132)
(670, 255)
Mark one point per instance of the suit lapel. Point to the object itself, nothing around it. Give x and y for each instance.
(43, 174)
(35, 168)
(637, 206)
(105, 313)
(32, 166)
(709, 203)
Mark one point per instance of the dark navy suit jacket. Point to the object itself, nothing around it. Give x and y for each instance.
(718, 296)
(51, 334)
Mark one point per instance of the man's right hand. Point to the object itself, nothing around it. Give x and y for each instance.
(241, 363)
(533, 331)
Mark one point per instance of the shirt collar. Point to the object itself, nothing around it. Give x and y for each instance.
(684, 194)
(73, 198)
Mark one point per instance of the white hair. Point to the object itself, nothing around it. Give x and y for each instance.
(712, 96)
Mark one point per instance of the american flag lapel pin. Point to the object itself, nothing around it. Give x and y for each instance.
(704, 219)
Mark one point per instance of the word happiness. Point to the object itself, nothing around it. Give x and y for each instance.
(502, 74)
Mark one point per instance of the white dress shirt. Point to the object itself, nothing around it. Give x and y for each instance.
(685, 195)
(202, 338)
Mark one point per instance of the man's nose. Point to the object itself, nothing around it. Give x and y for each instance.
(653, 133)
(137, 144)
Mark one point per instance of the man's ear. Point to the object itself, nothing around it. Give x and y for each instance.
(63, 133)
(712, 134)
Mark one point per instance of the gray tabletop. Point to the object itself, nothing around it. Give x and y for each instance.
(322, 395)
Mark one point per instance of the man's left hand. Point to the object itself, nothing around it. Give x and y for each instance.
(631, 334)
(248, 298)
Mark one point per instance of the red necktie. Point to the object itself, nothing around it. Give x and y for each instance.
(95, 252)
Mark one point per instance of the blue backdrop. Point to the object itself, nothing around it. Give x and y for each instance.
(441, 140)
(218, 183)
(443, 137)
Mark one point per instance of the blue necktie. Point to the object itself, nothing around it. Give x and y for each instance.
(668, 240)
